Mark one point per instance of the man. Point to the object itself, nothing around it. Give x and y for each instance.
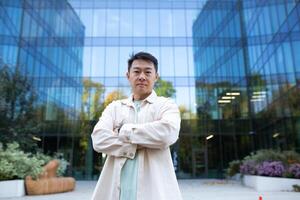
(136, 134)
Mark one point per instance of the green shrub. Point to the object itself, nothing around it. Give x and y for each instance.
(43, 157)
(266, 155)
(7, 171)
(63, 164)
(15, 164)
(233, 168)
(269, 161)
(291, 157)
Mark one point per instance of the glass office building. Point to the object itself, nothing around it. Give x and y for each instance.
(44, 41)
(232, 66)
(114, 30)
(247, 77)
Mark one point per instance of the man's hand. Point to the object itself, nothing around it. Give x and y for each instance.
(125, 132)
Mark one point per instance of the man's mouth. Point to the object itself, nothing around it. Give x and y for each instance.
(140, 84)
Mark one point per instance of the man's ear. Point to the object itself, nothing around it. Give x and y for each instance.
(157, 76)
(127, 75)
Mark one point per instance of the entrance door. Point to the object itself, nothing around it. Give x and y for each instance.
(200, 162)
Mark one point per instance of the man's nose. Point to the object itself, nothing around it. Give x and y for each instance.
(142, 76)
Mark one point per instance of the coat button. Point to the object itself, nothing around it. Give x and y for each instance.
(124, 154)
(131, 154)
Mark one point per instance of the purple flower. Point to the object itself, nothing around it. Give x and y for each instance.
(294, 169)
(270, 168)
(248, 167)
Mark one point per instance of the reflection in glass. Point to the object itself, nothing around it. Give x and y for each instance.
(76, 55)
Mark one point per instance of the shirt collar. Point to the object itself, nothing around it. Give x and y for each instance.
(151, 99)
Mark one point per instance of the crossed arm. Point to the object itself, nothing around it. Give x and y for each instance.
(158, 134)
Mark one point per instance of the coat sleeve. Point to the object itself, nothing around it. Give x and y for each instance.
(105, 140)
(158, 134)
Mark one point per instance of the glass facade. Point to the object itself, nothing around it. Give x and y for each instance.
(233, 66)
(116, 29)
(247, 77)
(44, 41)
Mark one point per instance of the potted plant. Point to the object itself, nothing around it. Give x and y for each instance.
(270, 170)
(15, 165)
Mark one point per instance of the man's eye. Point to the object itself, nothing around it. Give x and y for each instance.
(148, 72)
(135, 71)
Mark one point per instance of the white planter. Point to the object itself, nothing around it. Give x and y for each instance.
(263, 183)
(12, 188)
(237, 177)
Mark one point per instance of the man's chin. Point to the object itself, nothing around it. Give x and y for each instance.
(142, 91)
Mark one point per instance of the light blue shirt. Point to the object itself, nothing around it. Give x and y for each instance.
(129, 172)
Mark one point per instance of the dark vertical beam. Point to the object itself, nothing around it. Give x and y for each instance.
(244, 43)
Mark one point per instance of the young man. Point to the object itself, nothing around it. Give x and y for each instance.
(136, 134)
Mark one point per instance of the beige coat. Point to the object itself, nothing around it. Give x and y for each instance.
(149, 139)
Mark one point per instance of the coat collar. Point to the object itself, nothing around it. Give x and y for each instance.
(151, 99)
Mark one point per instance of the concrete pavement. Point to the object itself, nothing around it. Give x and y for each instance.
(199, 189)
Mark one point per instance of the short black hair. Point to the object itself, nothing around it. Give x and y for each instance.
(142, 56)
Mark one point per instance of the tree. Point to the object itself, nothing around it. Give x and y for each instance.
(91, 105)
(114, 95)
(19, 120)
(164, 88)
(91, 109)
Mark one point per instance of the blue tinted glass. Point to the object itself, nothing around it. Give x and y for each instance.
(289, 68)
(125, 53)
(97, 61)
(267, 20)
(179, 25)
(152, 20)
(139, 25)
(126, 22)
(167, 62)
(296, 53)
(87, 20)
(181, 64)
(281, 13)
(190, 63)
(280, 61)
(273, 65)
(87, 58)
(111, 61)
(99, 23)
(165, 23)
(112, 22)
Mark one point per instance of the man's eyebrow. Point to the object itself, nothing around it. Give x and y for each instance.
(147, 68)
(136, 68)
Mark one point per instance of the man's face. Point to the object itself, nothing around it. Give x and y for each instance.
(142, 76)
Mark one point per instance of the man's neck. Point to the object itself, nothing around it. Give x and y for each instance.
(140, 97)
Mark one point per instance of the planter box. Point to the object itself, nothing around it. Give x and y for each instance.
(236, 177)
(12, 188)
(264, 183)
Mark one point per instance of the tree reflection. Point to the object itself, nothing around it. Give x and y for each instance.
(164, 88)
(114, 95)
(20, 119)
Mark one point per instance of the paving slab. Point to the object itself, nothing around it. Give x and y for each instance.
(195, 189)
